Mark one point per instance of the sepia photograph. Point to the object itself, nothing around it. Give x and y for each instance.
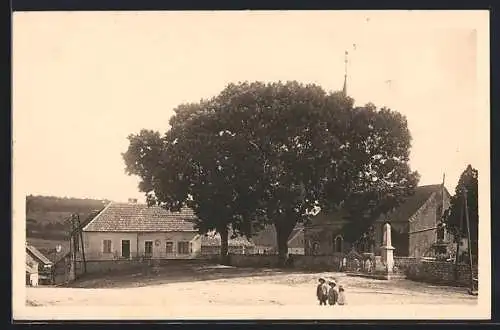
(316, 165)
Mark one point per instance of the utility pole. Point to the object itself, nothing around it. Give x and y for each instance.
(472, 291)
(74, 237)
(459, 239)
(80, 231)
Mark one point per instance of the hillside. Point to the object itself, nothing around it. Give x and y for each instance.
(47, 218)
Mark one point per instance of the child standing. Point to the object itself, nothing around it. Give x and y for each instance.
(332, 294)
(341, 300)
(322, 291)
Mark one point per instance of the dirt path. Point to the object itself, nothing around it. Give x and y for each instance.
(226, 287)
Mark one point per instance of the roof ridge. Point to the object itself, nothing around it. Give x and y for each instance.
(97, 216)
(297, 232)
(142, 218)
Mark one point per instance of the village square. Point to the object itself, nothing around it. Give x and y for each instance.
(267, 188)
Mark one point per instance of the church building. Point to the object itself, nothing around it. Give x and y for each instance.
(415, 227)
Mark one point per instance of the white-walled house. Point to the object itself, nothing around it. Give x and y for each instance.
(31, 271)
(124, 231)
(266, 241)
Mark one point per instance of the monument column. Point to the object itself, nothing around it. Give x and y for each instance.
(387, 249)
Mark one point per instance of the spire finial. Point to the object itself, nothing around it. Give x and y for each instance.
(344, 90)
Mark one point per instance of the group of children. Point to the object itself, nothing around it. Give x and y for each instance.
(327, 293)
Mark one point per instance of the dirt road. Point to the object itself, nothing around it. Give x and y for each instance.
(215, 286)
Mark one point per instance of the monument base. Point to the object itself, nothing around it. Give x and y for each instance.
(388, 258)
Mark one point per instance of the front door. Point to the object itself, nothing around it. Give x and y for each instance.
(126, 249)
(148, 249)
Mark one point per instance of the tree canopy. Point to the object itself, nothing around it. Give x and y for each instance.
(454, 217)
(272, 153)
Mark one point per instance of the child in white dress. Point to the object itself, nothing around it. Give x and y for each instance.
(341, 300)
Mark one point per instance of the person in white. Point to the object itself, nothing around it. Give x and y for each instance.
(341, 299)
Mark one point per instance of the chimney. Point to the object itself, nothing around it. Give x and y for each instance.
(132, 200)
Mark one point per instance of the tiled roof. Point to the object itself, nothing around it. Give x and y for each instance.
(413, 203)
(37, 255)
(213, 239)
(88, 218)
(31, 264)
(123, 217)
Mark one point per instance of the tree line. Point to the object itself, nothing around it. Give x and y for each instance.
(62, 204)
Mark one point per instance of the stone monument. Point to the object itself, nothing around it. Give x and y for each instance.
(387, 250)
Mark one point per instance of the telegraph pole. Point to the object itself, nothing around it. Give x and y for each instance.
(459, 236)
(466, 209)
(80, 232)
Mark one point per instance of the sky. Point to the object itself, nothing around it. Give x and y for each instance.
(84, 81)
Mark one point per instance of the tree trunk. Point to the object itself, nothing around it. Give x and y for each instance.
(224, 245)
(283, 231)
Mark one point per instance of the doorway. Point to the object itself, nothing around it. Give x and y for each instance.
(126, 249)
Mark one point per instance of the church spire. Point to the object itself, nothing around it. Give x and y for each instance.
(344, 89)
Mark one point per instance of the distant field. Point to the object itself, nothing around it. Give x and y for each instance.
(41, 243)
(47, 219)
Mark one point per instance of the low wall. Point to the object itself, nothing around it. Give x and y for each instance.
(240, 260)
(106, 266)
(62, 271)
(440, 272)
(403, 264)
(331, 262)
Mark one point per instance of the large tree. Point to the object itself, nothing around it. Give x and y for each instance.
(379, 177)
(317, 150)
(272, 153)
(454, 217)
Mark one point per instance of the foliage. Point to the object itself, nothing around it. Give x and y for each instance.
(454, 217)
(62, 204)
(380, 176)
(198, 163)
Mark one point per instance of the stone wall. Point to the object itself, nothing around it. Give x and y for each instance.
(402, 264)
(331, 263)
(240, 260)
(440, 272)
(106, 266)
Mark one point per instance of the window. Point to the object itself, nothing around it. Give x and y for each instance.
(183, 247)
(148, 248)
(338, 244)
(169, 247)
(440, 232)
(106, 246)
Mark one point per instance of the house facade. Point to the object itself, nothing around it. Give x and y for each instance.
(44, 265)
(31, 271)
(414, 227)
(211, 244)
(124, 231)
